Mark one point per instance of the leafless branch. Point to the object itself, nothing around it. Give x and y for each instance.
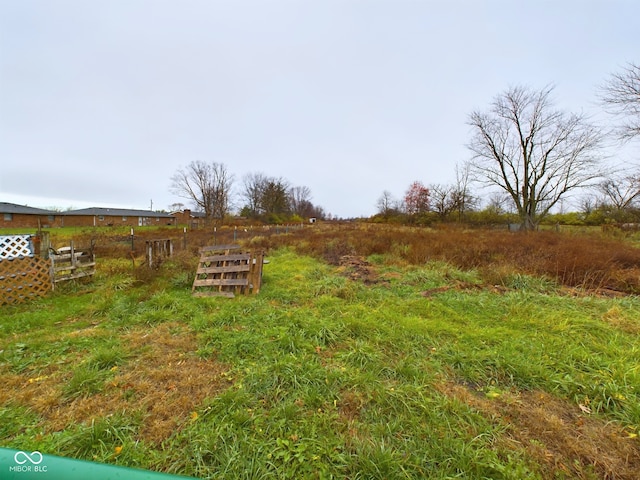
(532, 152)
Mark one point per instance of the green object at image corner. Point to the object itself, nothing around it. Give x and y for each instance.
(23, 465)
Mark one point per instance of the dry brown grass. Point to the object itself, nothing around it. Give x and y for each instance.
(588, 262)
(575, 260)
(558, 436)
(164, 382)
(117, 243)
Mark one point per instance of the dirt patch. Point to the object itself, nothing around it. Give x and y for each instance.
(559, 437)
(163, 382)
(357, 268)
(350, 405)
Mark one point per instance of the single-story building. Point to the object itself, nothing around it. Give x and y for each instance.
(191, 219)
(21, 216)
(111, 217)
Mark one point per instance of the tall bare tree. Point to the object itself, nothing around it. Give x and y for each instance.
(207, 185)
(462, 197)
(300, 201)
(620, 96)
(533, 152)
(387, 204)
(253, 188)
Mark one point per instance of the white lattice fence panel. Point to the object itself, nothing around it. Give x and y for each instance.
(15, 246)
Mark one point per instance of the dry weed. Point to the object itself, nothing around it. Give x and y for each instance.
(562, 439)
(588, 262)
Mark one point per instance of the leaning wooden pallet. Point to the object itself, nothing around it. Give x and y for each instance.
(69, 264)
(227, 270)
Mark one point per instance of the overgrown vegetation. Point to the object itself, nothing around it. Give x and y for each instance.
(579, 260)
(371, 352)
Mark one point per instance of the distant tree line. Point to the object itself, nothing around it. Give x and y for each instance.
(614, 200)
(531, 155)
(274, 200)
(211, 189)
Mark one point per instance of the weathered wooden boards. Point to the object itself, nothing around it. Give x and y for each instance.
(68, 264)
(227, 270)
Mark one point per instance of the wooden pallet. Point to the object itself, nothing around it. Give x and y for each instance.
(227, 271)
(69, 264)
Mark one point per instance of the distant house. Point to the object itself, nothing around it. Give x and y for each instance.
(192, 219)
(21, 216)
(97, 217)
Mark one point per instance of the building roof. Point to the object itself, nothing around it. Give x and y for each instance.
(6, 207)
(192, 214)
(117, 212)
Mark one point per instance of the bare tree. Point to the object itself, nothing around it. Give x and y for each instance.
(207, 185)
(387, 204)
(449, 199)
(621, 192)
(443, 200)
(300, 201)
(498, 202)
(534, 153)
(463, 200)
(587, 205)
(253, 188)
(620, 96)
(176, 207)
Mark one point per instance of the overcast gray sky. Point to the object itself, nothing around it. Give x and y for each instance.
(102, 101)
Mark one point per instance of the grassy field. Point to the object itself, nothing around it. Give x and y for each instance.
(394, 353)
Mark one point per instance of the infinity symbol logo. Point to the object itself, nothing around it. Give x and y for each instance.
(35, 457)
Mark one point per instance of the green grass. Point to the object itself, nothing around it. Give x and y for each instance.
(327, 377)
